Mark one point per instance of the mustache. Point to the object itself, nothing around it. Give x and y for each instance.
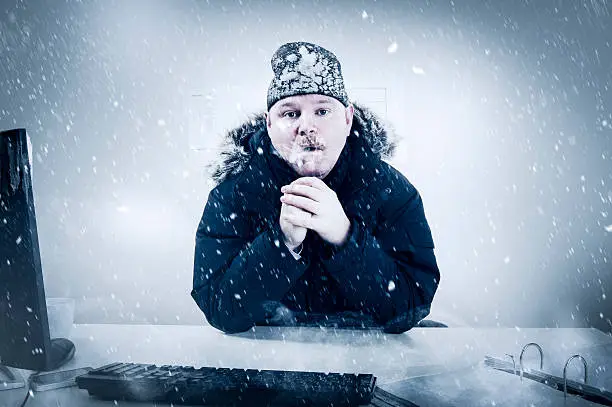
(291, 151)
(308, 142)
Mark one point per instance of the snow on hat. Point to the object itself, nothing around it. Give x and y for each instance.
(301, 68)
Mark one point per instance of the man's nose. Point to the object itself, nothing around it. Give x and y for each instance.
(307, 124)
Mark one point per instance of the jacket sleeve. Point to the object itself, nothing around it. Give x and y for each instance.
(235, 273)
(391, 272)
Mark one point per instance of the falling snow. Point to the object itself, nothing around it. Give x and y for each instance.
(505, 127)
(392, 48)
(418, 70)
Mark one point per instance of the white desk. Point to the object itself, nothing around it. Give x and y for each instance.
(389, 357)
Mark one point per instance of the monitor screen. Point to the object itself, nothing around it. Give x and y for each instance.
(24, 330)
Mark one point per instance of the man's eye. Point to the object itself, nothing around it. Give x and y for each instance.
(323, 112)
(290, 114)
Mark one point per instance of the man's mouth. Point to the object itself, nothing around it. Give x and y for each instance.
(310, 144)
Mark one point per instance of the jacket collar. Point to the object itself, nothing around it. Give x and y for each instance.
(369, 140)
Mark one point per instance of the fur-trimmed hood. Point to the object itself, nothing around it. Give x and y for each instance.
(235, 151)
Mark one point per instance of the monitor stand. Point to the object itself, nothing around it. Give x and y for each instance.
(62, 351)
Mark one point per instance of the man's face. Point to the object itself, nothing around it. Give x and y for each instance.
(309, 132)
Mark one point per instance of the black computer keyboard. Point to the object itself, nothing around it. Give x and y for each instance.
(220, 386)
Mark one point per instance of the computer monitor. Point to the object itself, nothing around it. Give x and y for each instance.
(24, 331)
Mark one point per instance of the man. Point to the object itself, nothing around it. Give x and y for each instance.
(306, 219)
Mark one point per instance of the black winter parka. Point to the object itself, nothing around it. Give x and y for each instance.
(386, 272)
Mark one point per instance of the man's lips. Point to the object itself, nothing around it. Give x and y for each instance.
(310, 144)
(312, 148)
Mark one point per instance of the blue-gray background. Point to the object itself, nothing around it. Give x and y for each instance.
(504, 109)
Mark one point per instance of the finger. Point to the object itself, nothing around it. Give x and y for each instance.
(311, 181)
(284, 209)
(300, 220)
(295, 212)
(287, 209)
(303, 190)
(301, 202)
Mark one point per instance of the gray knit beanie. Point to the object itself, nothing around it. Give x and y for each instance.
(301, 68)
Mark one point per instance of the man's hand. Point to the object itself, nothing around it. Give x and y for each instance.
(312, 195)
(294, 235)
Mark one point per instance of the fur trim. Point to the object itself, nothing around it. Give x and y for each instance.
(235, 153)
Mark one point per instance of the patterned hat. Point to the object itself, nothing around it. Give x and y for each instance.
(301, 68)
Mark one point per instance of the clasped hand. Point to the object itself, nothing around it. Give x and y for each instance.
(308, 203)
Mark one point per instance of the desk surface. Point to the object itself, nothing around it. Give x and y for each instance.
(390, 357)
